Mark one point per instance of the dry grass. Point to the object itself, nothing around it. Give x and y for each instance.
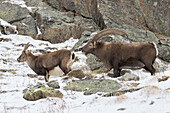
(151, 90)
(164, 78)
(120, 99)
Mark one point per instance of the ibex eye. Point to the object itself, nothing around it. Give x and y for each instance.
(90, 45)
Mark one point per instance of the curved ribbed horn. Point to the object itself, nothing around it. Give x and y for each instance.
(110, 31)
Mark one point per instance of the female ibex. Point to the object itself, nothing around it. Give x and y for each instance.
(122, 55)
(44, 63)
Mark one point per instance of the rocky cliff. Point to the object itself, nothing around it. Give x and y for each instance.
(58, 20)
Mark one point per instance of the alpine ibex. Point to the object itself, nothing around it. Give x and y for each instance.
(122, 55)
(44, 63)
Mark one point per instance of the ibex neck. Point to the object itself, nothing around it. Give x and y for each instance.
(98, 52)
(31, 60)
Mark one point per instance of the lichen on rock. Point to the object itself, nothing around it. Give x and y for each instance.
(41, 91)
(93, 86)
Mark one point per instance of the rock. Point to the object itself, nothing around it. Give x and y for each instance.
(155, 14)
(164, 78)
(81, 41)
(58, 26)
(12, 12)
(87, 9)
(164, 52)
(142, 14)
(121, 109)
(81, 7)
(32, 75)
(77, 74)
(93, 86)
(40, 91)
(160, 65)
(151, 103)
(95, 65)
(6, 28)
(129, 77)
(54, 84)
(27, 26)
(7, 70)
(55, 4)
(35, 3)
(121, 92)
(5, 40)
(140, 35)
(20, 17)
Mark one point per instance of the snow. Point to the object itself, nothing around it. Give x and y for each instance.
(18, 2)
(6, 24)
(154, 97)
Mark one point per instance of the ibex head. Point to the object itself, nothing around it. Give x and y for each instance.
(91, 45)
(23, 56)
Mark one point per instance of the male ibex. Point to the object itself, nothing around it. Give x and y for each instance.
(122, 55)
(44, 63)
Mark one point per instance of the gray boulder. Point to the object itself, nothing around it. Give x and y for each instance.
(161, 65)
(12, 12)
(95, 65)
(27, 26)
(129, 77)
(20, 17)
(93, 86)
(40, 91)
(54, 84)
(77, 74)
(164, 49)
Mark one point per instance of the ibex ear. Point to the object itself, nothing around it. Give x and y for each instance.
(94, 44)
(29, 51)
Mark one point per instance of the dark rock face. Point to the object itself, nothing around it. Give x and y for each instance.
(143, 14)
(156, 15)
(59, 26)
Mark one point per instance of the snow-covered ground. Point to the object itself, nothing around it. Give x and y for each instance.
(153, 98)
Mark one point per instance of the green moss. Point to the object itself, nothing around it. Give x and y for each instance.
(43, 89)
(100, 70)
(93, 86)
(4, 13)
(132, 39)
(48, 89)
